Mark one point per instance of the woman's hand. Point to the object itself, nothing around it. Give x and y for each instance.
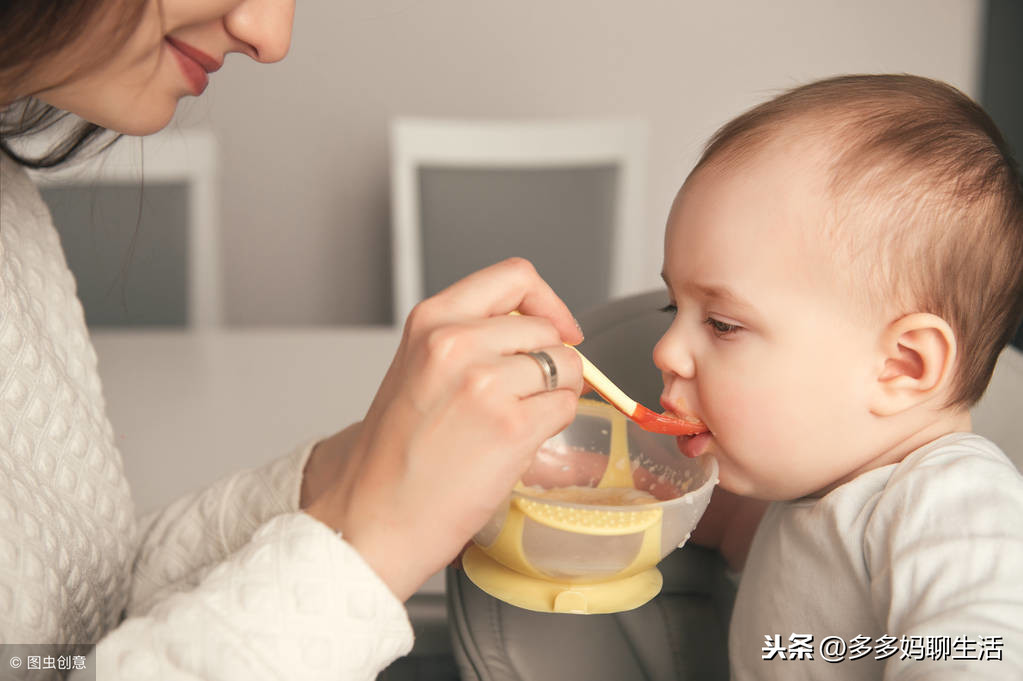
(324, 463)
(455, 423)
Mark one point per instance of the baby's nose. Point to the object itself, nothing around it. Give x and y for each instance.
(673, 358)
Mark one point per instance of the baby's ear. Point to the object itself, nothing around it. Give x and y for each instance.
(917, 354)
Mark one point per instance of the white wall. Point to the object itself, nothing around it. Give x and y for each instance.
(304, 143)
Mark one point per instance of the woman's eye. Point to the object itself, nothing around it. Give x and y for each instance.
(670, 307)
(721, 328)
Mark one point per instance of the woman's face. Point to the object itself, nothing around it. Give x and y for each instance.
(171, 54)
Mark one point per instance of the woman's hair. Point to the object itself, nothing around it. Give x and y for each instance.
(32, 31)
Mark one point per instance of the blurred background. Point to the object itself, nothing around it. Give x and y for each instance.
(302, 186)
(293, 211)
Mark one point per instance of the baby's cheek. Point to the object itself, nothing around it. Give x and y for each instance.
(755, 432)
(748, 406)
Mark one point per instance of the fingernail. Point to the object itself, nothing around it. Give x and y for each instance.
(578, 327)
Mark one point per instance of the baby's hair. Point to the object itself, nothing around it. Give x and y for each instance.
(927, 203)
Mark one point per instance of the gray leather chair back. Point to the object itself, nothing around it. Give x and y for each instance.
(681, 634)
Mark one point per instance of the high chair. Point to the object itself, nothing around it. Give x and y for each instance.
(683, 632)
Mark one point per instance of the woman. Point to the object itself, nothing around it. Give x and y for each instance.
(249, 578)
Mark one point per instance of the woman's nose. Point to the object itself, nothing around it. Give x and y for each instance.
(673, 356)
(264, 26)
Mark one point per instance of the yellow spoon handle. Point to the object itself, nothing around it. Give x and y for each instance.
(645, 418)
(603, 385)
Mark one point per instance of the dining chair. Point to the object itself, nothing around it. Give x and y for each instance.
(139, 226)
(566, 194)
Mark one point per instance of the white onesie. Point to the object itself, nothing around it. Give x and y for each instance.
(910, 571)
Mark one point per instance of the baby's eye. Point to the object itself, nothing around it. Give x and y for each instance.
(720, 328)
(670, 307)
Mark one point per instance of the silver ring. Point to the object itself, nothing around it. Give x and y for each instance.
(548, 367)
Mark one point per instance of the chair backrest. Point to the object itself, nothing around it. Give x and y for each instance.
(148, 207)
(997, 415)
(566, 194)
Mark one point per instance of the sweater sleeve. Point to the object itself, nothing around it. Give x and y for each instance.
(179, 544)
(944, 548)
(295, 602)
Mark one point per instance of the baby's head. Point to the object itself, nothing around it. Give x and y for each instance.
(847, 263)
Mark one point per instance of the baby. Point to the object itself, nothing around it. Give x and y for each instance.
(845, 264)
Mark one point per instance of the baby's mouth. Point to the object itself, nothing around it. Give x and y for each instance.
(678, 411)
(691, 445)
(694, 445)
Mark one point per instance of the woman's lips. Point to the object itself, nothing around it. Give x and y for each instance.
(195, 64)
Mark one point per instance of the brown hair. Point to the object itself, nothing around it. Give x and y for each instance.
(31, 31)
(934, 194)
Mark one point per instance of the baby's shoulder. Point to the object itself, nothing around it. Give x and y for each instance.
(956, 461)
(943, 547)
(963, 479)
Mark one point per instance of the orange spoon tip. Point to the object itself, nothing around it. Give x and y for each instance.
(669, 424)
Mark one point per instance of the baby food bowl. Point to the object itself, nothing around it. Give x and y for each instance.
(603, 502)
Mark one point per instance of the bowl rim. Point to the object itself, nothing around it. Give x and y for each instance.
(709, 462)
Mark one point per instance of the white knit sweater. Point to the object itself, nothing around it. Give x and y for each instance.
(232, 582)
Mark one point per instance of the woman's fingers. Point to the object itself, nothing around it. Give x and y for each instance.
(501, 335)
(449, 355)
(509, 285)
(550, 413)
(524, 375)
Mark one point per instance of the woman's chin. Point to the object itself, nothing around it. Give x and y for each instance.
(141, 121)
(146, 126)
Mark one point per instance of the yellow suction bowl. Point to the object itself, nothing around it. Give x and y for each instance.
(551, 555)
(544, 595)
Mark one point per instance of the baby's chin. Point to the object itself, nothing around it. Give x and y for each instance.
(764, 489)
